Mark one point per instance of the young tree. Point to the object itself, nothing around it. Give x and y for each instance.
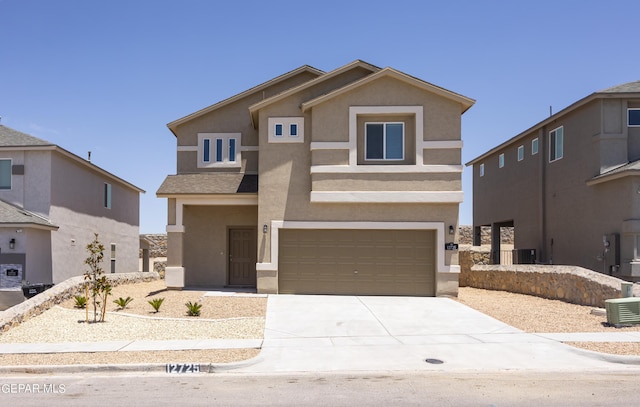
(96, 280)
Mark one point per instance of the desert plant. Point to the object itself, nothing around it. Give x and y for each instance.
(123, 302)
(81, 301)
(156, 303)
(97, 282)
(193, 309)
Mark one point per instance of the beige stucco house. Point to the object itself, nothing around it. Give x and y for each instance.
(344, 182)
(51, 204)
(573, 185)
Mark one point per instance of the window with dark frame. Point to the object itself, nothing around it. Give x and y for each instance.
(384, 141)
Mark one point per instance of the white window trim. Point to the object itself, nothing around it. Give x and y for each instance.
(384, 142)
(628, 111)
(227, 162)
(520, 153)
(10, 174)
(534, 146)
(501, 160)
(556, 149)
(286, 123)
(108, 196)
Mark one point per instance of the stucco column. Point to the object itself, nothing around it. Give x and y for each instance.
(174, 272)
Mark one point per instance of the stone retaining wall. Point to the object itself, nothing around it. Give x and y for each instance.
(60, 292)
(566, 283)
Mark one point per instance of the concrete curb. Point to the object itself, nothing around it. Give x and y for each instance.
(606, 357)
(124, 368)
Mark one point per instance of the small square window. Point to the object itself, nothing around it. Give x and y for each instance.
(501, 160)
(633, 117)
(278, 130)
(534, 146)
(482, 170)
(520, 153)
(293, 130)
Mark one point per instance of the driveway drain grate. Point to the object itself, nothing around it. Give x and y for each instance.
(434, 361)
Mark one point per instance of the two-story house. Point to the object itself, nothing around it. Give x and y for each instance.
(51, 204)
(344, 182)
(570, 185)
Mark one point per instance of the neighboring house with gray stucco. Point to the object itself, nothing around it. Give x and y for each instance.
(340, 182)
(570, 185)
(51, 204)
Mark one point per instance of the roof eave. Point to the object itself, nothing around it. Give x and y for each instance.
(305, 68)
(464, 101)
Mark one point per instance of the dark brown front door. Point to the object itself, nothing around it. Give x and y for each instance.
(242, 256)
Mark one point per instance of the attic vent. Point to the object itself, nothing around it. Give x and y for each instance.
(623, 311)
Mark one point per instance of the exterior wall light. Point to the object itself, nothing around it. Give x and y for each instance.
(265, 228)
(12, 244)
(451, 230)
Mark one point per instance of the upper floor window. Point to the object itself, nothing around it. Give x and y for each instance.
(633, 117)
(556, 144)
(107, 195)
(384, 141)
(501, 160)
(218, 150)
(5, 174)
(520, 153)
(286, 129)
(482, 170)
(534, 146)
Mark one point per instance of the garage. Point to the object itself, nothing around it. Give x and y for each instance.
(357, 262)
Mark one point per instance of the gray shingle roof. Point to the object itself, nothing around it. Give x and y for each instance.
(630, 87)
(208, 183)
(14, 138)
(11, 214)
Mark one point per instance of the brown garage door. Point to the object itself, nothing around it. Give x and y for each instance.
(360, 262)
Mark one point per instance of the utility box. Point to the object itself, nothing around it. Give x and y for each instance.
(623, 311)
(524, 256)
(627, 290)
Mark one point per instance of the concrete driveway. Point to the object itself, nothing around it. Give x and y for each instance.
(351, 333)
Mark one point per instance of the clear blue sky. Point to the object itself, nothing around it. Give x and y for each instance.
(107, 76)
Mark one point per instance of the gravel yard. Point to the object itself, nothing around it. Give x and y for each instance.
(243, 317)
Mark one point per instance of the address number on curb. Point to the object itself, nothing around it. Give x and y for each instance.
(183, 368)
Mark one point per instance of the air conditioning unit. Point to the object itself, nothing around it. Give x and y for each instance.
(623, 311)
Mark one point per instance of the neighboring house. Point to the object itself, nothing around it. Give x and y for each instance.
(51, 204)
(346, 182)
(570, 185)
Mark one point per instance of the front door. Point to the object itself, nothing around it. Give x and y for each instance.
(242, 256)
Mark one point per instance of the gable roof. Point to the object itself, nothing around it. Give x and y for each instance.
(11, 139)
(393, 73)
(619, 91)
(257, 88)
(253, 109)
(14, 216)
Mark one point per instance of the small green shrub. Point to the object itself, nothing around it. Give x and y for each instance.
(81, 301)
(123, 302)
(156, 303)
(193, 309)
